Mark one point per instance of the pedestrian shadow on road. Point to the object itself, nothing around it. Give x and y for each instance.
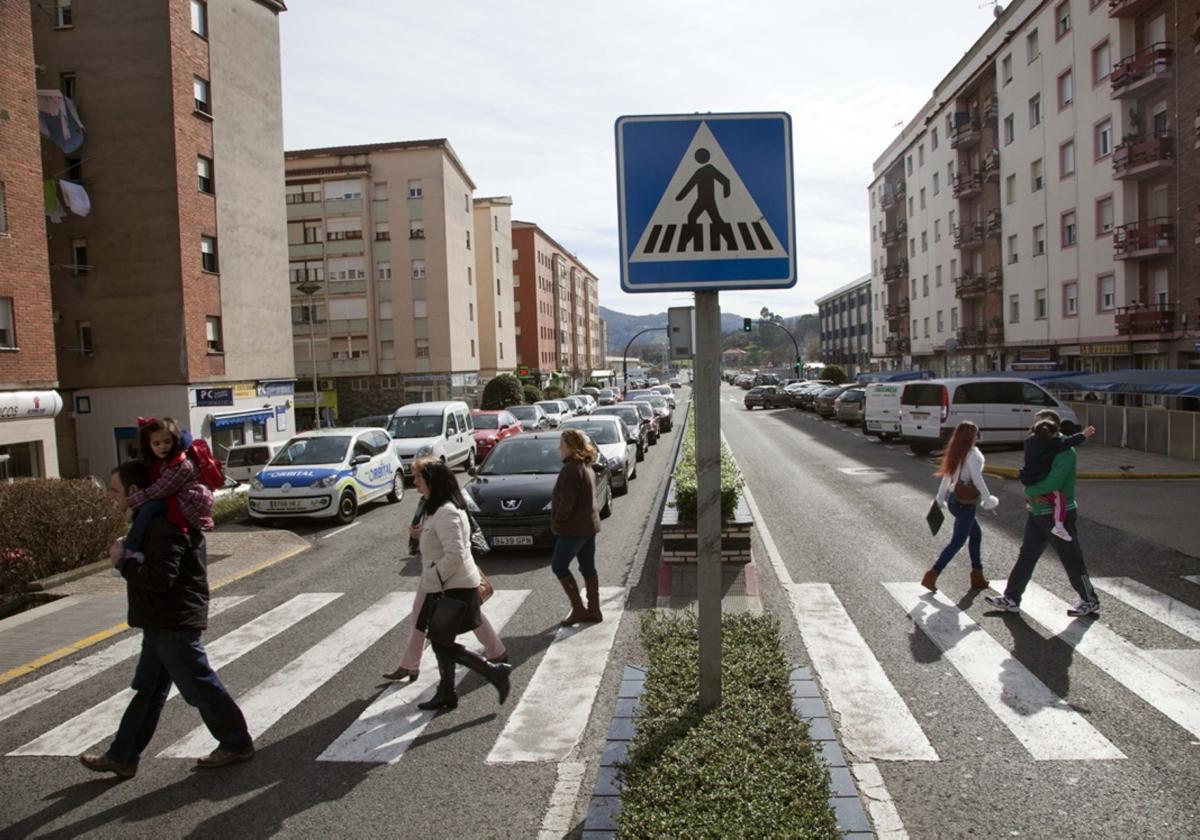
(1047, 659)
(63, 802)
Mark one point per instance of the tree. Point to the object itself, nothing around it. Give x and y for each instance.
(532, 394)
(501, 392)
(592, 383)
(553, 392)
(812, 348)
(834, 374)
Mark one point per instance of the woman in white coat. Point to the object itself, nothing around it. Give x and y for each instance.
(962, 490)
(451, 580)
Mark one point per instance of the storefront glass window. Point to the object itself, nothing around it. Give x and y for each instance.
(21, 460)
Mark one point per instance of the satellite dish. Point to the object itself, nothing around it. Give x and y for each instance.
(951, 345)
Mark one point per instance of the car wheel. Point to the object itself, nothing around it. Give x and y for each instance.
(641, 453)
(347, 508)
(623, 488)
(397, 488)
(606, 511)
(633, 472)
(470, 462)
(922, 449)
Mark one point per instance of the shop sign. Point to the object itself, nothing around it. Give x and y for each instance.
(25, 405)
(277, 389)
(243, 389)
(1035, 355)
(214, 396)
(1112, 348)
(304, 399)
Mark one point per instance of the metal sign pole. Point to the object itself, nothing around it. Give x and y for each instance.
(706, 391)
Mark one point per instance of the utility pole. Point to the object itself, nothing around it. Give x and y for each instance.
(309, 288)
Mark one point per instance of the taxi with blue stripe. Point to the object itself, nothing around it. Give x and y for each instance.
(327, 473)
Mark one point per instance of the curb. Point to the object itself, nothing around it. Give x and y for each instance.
(1011, 472)
(54, 581)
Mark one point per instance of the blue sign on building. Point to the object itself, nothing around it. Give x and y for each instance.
(706, 202)
(214, 396)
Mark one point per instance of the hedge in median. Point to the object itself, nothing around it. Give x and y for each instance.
(748, 769)
(685, 480)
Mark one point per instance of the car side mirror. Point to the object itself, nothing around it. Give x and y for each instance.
(358, 460)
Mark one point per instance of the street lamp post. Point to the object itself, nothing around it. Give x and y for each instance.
(309, 288)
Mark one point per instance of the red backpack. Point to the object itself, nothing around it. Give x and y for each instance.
(208, 467)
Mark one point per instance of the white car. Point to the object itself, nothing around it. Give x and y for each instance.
(610, 436)
(244, 460)
(881, 411)
(442, 430)
(327, 473)
(556, 411)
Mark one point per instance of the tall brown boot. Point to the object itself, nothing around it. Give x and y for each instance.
(578, 613)
(592, 585)
(929, 580)
(978, 581)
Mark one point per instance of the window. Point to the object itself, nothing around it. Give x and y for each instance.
(74, 168)
(68, 85)
(500, 318)
(910, 165)
(200, 18)
(925, 285)
(1014, 309)
(1010, 131)
(954, 319)
(383, 232)
(1062, 19)
(83, 405)
(1104, 216)
(1006, 68)
(1070, 299)
(200, 96)
(1101, 63)
(86, 348)
(1107, 287)
(472, 348)
(937, 280)
(937, 230)
(922, 198)
(79, 258)
(384, 270)
(414, 189)
(1036, 181)
(420, 308)
(926, 324)
(204, 175)
(1010, 189)
(952, 216)
(312, 232)
(921, 155)
(213, 333)
(937, 183)
(385, 310)
(302, 193)
(1032, 49)
(1066, 159)
(416, 229)
(1039, 240)
(912, 247)
(468, 240)
(497, 254)
(924, 242)
(953, 268)
(8, 332)
(418, 269)
(1104, 139)
(1069, 232)
(422, 348)
(208, 253)
(470, 276)
(501, 349)
(1012, 249)
(379, 190)
(1066, 89)
(1039, 305)
(62, 13)
(1035, 110)
(911, 207)
(933, 140)
(470, 312)
(941, 327)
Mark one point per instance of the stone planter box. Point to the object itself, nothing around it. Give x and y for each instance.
(679, 541)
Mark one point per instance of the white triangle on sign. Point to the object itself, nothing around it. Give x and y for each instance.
(706, 212)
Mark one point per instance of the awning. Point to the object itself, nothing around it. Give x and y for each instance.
(603, 374)
(1173, 383)
(237, 418)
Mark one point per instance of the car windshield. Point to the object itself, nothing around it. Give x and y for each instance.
(629, 414)
(658, 402)
(550, 407)
(644, 409)
(524, 412)
(312, 450)
(487, 421)
(415, 426)
(251, 456)
(607, 392)
(523, 455)
(598, 432)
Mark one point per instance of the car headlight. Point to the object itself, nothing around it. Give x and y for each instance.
(470, 502)
(327, 481)
(491, 439)
(256, 484)
(549, 505)
(424, 450)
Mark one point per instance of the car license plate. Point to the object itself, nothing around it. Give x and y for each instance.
(286, 504)
(523, 540)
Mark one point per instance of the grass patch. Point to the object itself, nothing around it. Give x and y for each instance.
(748, 769)
(231, 509)
(686, 481)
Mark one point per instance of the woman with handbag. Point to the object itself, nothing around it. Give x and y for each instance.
(962, 491)
(575, 523)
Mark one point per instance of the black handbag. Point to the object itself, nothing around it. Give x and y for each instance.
(446, 619)
(935, 517)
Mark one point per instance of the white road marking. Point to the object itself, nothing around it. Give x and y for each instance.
(1185, 662)
(97, 723)
(1192, 579)
(554, 708)
(337, 531)
(387, 727)
(1041, 720)
(875, 722)
(1138, 670)
(1175, 614)
(880, 806)
(266, 703)
(558, 820)
(777, 564)
(43, 688)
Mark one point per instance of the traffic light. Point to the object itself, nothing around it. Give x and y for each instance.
(747, 324)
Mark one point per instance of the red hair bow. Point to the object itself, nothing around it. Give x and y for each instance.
(143, 421)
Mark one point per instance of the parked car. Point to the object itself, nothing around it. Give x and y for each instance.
(327, 473)
(491, 427)
(666, 417)
(805, 398)
(611, 437)
(243, 461)
(574, 406)
(556, 411)
(646, 411)
(509, 494)
(881, 410)
(591, 391)
(766, 396)
(635, 394)
(675, 383)
(438, 429)
(371, 421)
(849, 406)
(651, 382)
(1003, 409)
(633, 421)
(666, 393)
(587, 403)
(532, 418)
(607, 396)
(823, 403)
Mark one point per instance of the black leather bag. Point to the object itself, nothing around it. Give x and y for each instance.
(935, 517)
(446, 619)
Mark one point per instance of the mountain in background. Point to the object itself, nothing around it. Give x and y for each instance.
(622, 327)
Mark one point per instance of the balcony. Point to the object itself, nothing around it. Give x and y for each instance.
(994, 223)
(991, 110)
(970, 285)
(991, 165)
(995, 333)
(895, 273)
(1142, 156)
(895, 235)
(966, 132)
(896, 311)
(897, 344)
(1142, 70)
(968, 184)
(995, 280)
(1151, 319)
(968, 236)
(893, 196)
(1128, 8)
(1144, 239)
(971, 337)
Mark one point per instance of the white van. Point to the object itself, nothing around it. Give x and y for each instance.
(881, 410)
(1003, 408)
(242, 462)
(441, 429)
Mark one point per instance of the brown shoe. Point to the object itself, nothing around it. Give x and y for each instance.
(578, 613)
(221, 757)
(592, 585)
(929, 580)
(978, 581)
(101, 763)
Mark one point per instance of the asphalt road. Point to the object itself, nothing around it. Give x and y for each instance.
(441, 786)
(847, 513)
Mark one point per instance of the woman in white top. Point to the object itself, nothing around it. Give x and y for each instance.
(961, 491)
(451, 579)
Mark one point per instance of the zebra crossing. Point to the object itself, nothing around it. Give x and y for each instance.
(876, 722)
(571, 667)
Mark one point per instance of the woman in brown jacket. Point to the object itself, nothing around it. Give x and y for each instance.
(575, 522)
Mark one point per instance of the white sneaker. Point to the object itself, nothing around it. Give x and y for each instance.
(1003, 602)
(1083, 608)
(1061, 532)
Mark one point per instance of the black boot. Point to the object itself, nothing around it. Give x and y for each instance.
(496, 674)
(445, 696)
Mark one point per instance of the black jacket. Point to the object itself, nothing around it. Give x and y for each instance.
(169, 590)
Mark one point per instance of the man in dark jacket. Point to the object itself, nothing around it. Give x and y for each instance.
(168, 600)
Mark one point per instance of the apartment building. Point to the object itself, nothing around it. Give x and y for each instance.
(493, 276)
(384, 320)
(1036, 213)
(846, 325)
(557, 309)
(167, 265)
(28, 373)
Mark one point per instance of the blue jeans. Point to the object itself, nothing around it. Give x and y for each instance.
(567, 548)
(1070, 554)
(141, 519)
(966, 530)
(176, 656)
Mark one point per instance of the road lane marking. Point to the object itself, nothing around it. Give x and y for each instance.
(557, 822)
(880, 805)
(97, 723)
(387, 727)
(56, 682)
(1164, 609)
(266, 703)
(1158, 684)
(1041, 720)
(555, 706)
(337, 531)
(1192, 579)
(875, 722)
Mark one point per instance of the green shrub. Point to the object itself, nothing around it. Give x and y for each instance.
(748, 769)
(834, 374)
(532, 394)
(554, 392)
(501, 392)
(231, 508)
(592, 383)
(685, 480)
(53, 525)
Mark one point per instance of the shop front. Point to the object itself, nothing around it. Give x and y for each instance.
(244, 412)
(28, 447)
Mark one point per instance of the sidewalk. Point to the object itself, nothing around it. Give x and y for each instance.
(1103, 462)
(94, 606)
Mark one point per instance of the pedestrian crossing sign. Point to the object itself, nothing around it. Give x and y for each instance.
(705, 202)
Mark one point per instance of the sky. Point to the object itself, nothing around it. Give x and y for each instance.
(527, 93)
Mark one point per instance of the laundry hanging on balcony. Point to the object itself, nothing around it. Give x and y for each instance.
(59, 120)
(75, 197)
(54, 209)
